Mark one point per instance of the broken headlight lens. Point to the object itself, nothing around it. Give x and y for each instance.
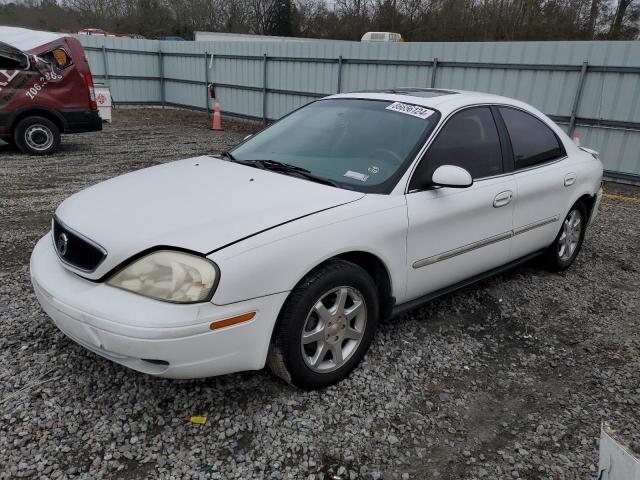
(169, 276)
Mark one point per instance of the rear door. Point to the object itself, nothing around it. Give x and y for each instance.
(544, 180)
(457, 233)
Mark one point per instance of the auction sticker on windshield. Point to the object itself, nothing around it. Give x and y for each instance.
(414, 110)
(356, 176)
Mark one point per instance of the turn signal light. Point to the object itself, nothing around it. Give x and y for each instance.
(227, 322)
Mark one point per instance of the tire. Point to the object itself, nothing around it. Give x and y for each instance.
(36, 136)
(565, 248)
(313, 307)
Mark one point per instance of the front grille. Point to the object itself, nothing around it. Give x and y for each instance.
(74, 249)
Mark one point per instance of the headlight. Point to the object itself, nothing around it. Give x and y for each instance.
(170, 276)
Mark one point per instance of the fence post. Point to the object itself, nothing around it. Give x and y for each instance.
(264, 89)
(105, 63)
(576, 98)
(433, 72)
(161, 65)
(206, 82)
(339, 74)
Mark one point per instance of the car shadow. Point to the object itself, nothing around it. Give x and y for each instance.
(8, 147)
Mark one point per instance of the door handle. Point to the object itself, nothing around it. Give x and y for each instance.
(502, 199)
(569, 179)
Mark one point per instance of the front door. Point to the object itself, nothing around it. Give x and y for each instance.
(456, 233)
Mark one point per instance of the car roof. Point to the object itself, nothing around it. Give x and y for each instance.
(444, 100)
(447, 101)
(25, 39)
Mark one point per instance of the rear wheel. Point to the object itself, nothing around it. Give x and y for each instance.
(564, 250)
(326, 326)
(36, 136)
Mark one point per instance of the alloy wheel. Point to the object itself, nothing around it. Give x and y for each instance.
(570, 235)
(333, 329)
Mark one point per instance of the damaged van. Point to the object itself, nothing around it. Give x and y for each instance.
(46, 89)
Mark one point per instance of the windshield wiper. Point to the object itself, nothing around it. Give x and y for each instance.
(295, 170)
(276, 166)
(229, 156)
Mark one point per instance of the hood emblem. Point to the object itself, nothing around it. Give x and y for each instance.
(62, 243)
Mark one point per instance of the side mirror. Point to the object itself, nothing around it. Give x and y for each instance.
(451, 176)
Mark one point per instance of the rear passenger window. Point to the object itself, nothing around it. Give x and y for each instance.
(533, 142)
(468, 140)
(59, 59)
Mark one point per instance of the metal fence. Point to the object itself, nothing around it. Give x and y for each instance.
(590, 87)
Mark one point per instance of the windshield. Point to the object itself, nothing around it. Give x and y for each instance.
(359, 144)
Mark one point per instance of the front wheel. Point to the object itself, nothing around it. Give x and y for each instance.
(326, 326)
(564, 250)
(36, 136)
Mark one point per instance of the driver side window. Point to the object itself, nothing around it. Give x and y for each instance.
(469, 140)
(11, 58)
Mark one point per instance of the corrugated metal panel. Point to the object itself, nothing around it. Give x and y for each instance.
(619, 149)
(606, 95)
(133, 91)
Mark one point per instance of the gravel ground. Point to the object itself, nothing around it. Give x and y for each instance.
(509, 378)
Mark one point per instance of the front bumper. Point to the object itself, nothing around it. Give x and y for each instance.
(150, 336)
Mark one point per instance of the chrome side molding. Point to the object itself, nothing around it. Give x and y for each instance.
(483, 243)
(531, 226)
(464, 249)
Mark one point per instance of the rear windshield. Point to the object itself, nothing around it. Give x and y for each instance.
(362, 145)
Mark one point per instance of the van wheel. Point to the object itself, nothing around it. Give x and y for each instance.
(36, 136)
(325, 326)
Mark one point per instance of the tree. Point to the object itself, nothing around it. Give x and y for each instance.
(282, 13)
(354, 17)
(416, 20)
(594, 12)
(625, 21)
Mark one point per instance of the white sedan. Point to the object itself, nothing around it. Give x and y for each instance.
(290, 248)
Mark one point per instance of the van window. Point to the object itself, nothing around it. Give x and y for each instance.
(59, 59)
(11, 58)
(533, 142)
(468, 140)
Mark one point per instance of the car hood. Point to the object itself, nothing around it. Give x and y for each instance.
(200, 204)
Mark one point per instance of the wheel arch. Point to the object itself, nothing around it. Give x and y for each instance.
(586, 198)
(374, 266)
(588, 201)
(44, 112)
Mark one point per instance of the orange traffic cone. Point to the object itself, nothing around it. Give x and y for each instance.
(216, 123)
(576, 138)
